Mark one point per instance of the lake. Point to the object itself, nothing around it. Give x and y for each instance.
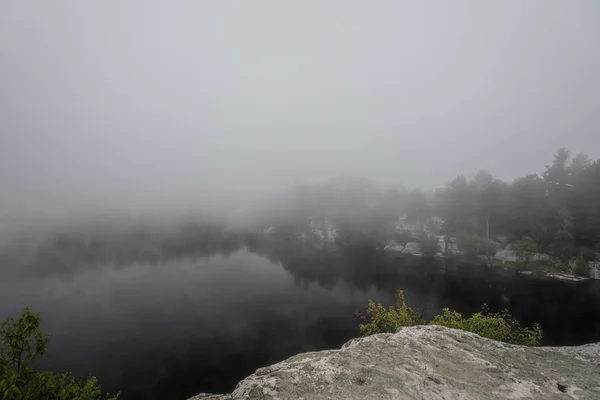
(173, 328)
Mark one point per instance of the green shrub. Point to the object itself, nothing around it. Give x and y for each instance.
(526, 336)
(498, 326)
(380, 320)
(473, 245)
(492, 327)
(22, 342)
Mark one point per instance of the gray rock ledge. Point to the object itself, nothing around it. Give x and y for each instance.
(427, 362)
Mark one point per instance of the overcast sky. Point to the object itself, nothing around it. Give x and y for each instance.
(145, 104)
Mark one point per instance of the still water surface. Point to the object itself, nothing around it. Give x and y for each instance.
(173, 329)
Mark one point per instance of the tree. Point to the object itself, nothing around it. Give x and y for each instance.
(391, 204)
(559, 210)
(494, 206)
(525, 249)
(584, 256)
(479, 206)
(562, 246)
(473, 245)
(565, 218)
(585, 207)
(419, 206)
(581, 268)
(22, 342)
(529, 206)
(460, 206)
(433, 225)
(403, 239)
(557, 174)
(578, 165)
(483, 179)
(483, 183)
(429, 245)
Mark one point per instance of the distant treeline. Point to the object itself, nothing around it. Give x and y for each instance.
(69, 252)
(558, 209)
(558, 212)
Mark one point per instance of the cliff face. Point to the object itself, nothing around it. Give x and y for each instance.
(427, 362)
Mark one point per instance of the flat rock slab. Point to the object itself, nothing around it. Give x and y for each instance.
(427, 362)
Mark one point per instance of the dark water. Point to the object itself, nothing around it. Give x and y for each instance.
(172, 329)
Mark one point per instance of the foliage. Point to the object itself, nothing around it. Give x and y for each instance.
(498, 326)
(403, 239)
(563, 245)
(22, 342)
(493, 327)
(526, 336)
(581, 267)
(429, 245)
(418, 206)
(475, 245)
(559, 209)
(565, 218)
(433, 225)
(353, 235)
(586, 254)
(380, 320)
(528, 207)
(585, 206)
(525, 249)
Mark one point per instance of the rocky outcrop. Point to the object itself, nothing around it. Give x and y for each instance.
(427, 362)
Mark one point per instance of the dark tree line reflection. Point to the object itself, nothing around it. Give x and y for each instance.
(197, 336)
(568, 311)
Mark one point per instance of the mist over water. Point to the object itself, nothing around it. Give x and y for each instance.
(182, 325)
(179, 327)
(148, 147)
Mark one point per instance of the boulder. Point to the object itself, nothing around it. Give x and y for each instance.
(427, 362)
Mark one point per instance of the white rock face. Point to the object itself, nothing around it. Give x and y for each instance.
(427, 362)
(323, 229)
(410, 247)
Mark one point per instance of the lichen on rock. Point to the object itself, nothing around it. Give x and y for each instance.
(427, 362)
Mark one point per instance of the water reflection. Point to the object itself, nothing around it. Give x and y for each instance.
(173, 329)
(167, 317)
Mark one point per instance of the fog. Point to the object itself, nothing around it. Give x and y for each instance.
(130, 132)
(147, 108)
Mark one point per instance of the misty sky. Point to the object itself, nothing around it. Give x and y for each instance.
(148, 104)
